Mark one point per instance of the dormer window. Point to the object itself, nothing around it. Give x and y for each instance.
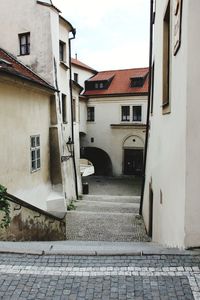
(137, 81)
(101, 84)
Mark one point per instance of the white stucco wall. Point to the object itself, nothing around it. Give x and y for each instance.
(83, 116)
(33, 18)
(166, 160)
(110, 139)
(46, 29)
(83, 74)
(192, 208)
(24, 112)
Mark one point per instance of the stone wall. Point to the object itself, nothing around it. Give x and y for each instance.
(28, 223)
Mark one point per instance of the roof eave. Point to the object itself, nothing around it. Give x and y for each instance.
(116, 95)
(46, 87)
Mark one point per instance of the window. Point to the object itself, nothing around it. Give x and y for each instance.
(64, 109)
(152, 87)
(35, 153)
(166, 56)
(74, 110)
(137, 113)
(125, 113)
(62, 48)
(24, 43)
(137, 82)
(90, 114)
(76, 77)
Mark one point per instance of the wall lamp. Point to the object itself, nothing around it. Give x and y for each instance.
(70, 148)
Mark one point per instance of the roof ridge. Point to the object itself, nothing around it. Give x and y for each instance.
(128, 69)
(11, 56)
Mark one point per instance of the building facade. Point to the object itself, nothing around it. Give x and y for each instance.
(171, 207)
(25, 100)
(41, 38)
(116, 116)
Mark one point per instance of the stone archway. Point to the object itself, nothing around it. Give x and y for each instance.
(100, 159)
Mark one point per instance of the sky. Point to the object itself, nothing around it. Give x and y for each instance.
(111, 34)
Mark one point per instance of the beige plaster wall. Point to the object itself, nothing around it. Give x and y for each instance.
(24, 112)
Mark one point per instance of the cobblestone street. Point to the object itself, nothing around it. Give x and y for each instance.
(99, 277)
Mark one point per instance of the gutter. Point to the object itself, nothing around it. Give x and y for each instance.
(71, 98)
(148, 107)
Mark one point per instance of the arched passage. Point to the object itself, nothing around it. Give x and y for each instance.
(100, 159)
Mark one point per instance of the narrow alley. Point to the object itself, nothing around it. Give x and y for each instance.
(109, 212)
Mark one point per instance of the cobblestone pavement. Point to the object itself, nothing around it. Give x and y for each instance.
(99, 277)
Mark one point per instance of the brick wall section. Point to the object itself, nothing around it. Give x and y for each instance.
(29, 223)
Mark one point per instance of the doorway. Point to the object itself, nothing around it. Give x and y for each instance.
(133, 161)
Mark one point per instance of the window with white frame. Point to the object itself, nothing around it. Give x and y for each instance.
(35, 153)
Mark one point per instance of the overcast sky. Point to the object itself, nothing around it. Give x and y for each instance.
(111, 34)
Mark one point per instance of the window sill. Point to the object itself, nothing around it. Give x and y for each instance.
(166, 109)
(64, 65)
(23, 54)
(34, 171)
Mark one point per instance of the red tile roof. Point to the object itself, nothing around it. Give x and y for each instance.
(121, 83)
(82, 65)
(10, 65)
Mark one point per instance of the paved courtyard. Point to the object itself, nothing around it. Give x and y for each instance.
(118, 186)
(106, 277)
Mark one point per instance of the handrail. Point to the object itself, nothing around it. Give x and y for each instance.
(16, 200)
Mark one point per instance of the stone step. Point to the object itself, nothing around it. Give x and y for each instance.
(89, 226)
(111, 207)
(111, 198)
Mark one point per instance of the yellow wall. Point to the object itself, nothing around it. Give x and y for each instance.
(24, 111)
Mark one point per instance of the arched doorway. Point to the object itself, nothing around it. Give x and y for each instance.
(133, 147)
(99, 158)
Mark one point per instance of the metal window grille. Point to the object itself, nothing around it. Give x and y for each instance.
(137, 113)
(125, 113)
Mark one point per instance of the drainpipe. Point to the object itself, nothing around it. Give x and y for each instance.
(149, 105)
(71, 98)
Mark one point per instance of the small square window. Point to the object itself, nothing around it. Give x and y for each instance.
(35, 153)
(24, 43)
(90, 114)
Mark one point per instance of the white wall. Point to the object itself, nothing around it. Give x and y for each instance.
(166, 160)
(83, 74)
(107, 138)
(192, 208)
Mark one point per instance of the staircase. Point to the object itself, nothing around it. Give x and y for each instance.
(106, 218)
